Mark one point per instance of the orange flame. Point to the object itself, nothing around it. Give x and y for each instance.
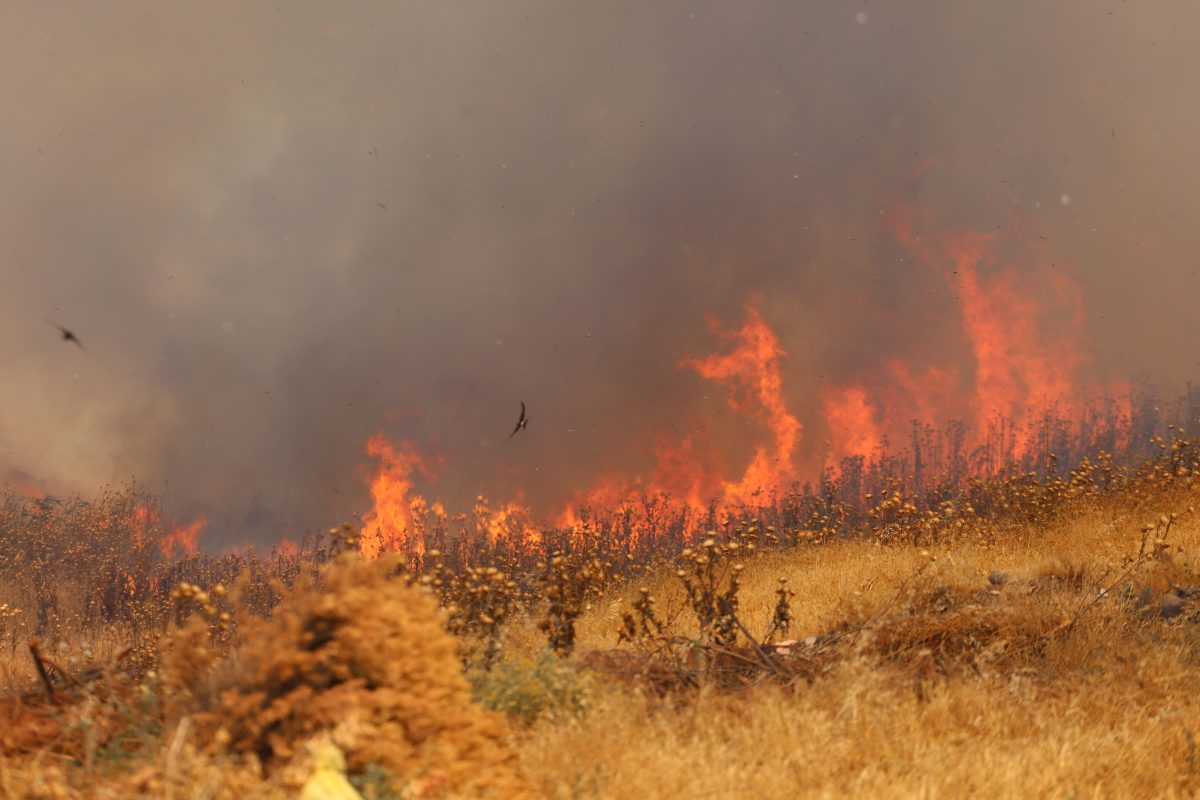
(183, 539)
(142, 519)
(608, 492)
(287, 548)
(852, 423)
(752, 373)
(690, 471)
(928, 396)
(510, 521)
(1023, 333)
(29, 490)
(395, 517)
(689, 468)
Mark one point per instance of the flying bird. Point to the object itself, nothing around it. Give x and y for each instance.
(521, 423)
(68, 336)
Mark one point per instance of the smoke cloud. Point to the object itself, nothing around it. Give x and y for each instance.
(281, 229)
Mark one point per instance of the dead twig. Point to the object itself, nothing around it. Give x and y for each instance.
(758, 648)
(41, 669)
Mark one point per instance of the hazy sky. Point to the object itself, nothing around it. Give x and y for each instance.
(279, 228)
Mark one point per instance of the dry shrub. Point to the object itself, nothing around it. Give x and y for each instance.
(947, 632)
(675, 671)
(27, 727)
(101, 717)
(525, 689)
(365, 658)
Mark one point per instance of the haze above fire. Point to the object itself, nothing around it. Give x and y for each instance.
(281, 231)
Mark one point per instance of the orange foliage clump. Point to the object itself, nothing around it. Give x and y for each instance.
(363, 658)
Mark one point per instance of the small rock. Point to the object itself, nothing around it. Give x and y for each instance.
(1171, 606)
(997, 578)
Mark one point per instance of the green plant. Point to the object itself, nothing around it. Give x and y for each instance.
(526, 689)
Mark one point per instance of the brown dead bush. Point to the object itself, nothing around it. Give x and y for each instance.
(363, 657)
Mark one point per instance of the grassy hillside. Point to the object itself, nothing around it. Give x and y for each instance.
(927, 680)
(1045, 646)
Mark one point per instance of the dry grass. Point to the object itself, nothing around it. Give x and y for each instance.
(949, 687)
(1006, 655)
(858, 734)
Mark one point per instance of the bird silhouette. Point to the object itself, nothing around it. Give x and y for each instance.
(68, 336)
(521, 423)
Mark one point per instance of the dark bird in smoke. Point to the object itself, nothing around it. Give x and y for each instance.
(521, 423)
(68, 336)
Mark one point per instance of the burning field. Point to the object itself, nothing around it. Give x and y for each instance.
(1001, 604)
(1024, 633)
(1025, 401)
(613, 400)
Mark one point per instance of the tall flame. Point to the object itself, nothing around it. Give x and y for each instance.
(1022, 330)
(751, 371)
(1025, 366)
(690, 471)
(394, 519)
(142, 520)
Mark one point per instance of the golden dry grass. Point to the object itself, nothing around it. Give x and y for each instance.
(924, 679)
(858, 734)
(992, 696)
